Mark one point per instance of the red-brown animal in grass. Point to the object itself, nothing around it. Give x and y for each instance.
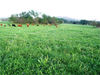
(4, 25)
(1, 24)
(19, 25)
(50, 24)
(27, 25)
(57, 26)
(33, 24)
(44, 24)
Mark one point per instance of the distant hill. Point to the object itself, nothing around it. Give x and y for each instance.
(3, 19)
(0, 20)
(67, 18)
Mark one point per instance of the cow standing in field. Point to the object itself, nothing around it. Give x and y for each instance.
(13, 25)
(27, 25)
(32, 24)
(44, 24)
(4, 25)
(19, 25)
(1, 24)
(9, 24)
(56, 25)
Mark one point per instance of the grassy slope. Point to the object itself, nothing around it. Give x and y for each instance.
(68, 49)
(4, 22)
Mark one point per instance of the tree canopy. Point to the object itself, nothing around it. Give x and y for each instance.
(33, 17)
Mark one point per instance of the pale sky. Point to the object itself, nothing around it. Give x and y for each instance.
(78, 9)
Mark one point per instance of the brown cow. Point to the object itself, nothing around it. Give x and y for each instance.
(19, 25)
(33, 24)
(4, 25)
(57, 26)
(44, 24)
(27, 25)
(1, 24)
(9, 24)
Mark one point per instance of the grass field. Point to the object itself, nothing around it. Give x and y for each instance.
(47, 50)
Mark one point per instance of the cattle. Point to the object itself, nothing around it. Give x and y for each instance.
(44, 24)
(1, 24)
(9, 24)
(50, 24)
(13, 25)
(4, 25)
(19, 25)
(27, 25)
(32, 24)
(57, 26)
(37, 25)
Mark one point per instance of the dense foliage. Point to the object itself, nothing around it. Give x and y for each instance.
(33, 17)
(47, 50)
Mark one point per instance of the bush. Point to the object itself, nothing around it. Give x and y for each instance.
(97, 24)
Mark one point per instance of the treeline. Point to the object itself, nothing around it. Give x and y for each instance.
(33, 17)
(82, 22)
(86, 22)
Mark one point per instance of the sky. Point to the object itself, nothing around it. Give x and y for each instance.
(78, 9)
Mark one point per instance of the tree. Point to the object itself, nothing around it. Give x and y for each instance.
(17, 19)
(12, 18)
(37, 17)
(74, 22)
(83, 22)
(98, 24)
(27, 17)
(60, 21)
(22, 17)
(95, 24)
(32, 12)
(49, 19)
(41, 20)
(54, 20)
(44, 18)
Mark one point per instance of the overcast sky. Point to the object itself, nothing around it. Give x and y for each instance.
(78, 9)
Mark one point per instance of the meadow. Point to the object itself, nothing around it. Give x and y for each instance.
(46, 50)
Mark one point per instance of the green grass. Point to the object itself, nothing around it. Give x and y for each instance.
(4, 22)
(69, 49)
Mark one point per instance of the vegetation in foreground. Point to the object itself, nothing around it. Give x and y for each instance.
(68, 49)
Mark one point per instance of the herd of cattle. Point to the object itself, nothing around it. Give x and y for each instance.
(19, 25)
